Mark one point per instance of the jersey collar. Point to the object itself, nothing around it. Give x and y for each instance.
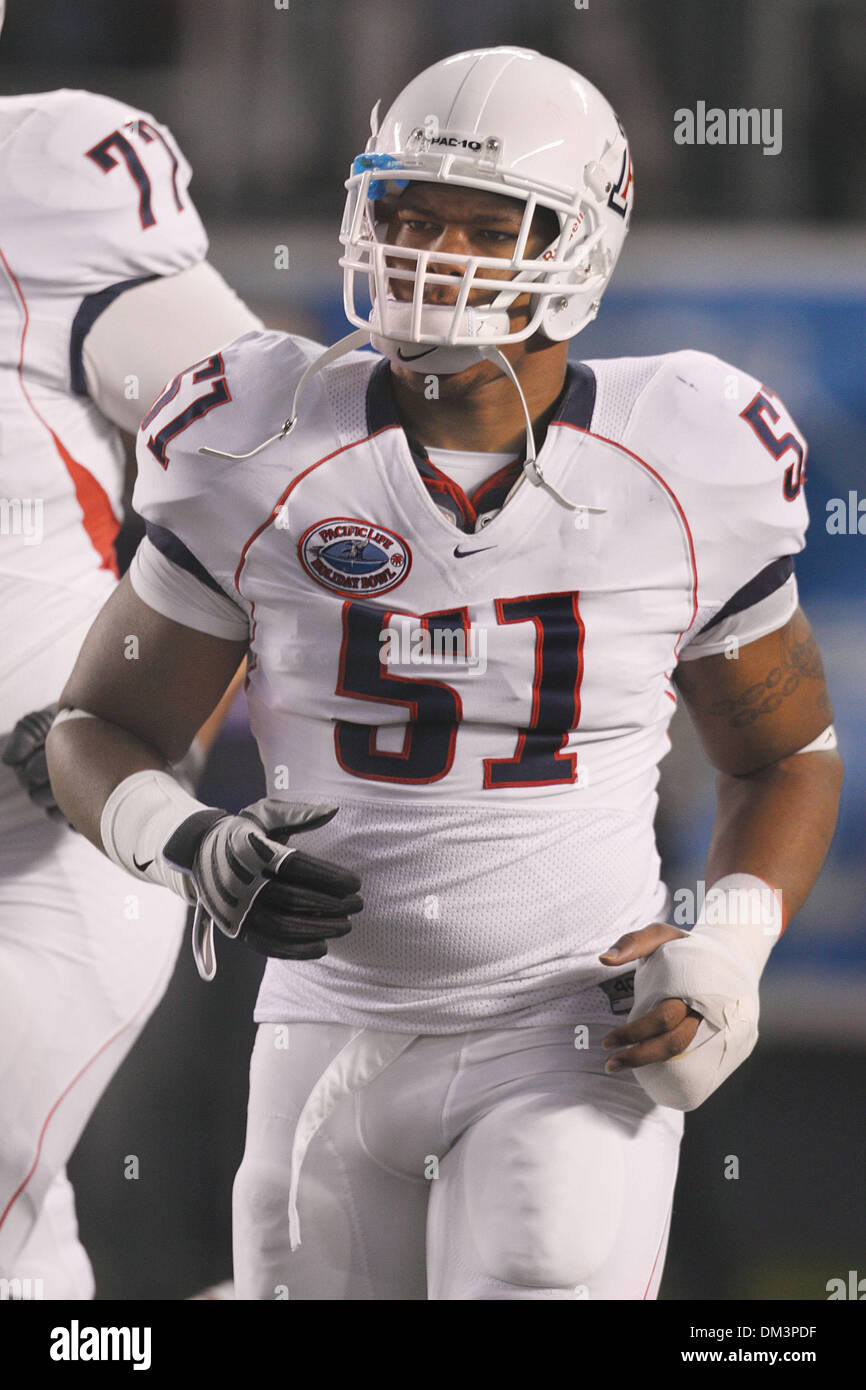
(575, 408)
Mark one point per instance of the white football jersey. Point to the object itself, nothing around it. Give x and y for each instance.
(483, 689)
(94, 200)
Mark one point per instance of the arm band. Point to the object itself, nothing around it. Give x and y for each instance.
(68, 713)
(823, 743)
(137, 819)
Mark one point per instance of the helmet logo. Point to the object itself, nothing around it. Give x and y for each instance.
(618, 199)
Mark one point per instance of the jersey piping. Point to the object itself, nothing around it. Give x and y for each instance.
(680, 512)
(174, 549)
(770, 578)
(98, 519)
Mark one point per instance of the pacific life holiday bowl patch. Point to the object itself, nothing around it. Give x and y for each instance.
(350, 556)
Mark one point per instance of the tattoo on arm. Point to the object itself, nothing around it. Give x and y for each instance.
(801, 660)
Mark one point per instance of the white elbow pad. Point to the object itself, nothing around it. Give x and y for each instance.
(154, 330)
(715, 968)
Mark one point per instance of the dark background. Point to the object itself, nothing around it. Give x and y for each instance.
(760, 259)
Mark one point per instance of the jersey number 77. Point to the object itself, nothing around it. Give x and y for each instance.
(107, 153)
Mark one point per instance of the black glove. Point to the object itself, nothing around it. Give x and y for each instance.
(25, 754)
(279, 901)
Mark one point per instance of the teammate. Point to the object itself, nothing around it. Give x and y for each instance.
(105, 292)
(471, 578)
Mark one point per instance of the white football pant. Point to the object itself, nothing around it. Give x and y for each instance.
(86, 953)
(501, 1164)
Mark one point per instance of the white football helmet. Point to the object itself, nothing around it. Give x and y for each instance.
(512, 122)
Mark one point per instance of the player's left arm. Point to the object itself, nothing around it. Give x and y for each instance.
(776, 807)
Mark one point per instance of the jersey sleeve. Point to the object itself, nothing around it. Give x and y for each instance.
(734, 461)
(201, 510)
(106, 191)
(760, 607)
(178, 593)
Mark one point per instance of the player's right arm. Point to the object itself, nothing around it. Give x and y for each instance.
(151, 683)
(141, 687)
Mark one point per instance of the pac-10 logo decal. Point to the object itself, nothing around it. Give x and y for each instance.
(354, 557)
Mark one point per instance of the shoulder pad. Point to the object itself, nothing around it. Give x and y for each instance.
(250, 382)
(107, 174)
(719, 418)
(230, 402)
(733, 458)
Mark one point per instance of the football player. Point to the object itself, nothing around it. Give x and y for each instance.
(445, 1105)
(105, 292)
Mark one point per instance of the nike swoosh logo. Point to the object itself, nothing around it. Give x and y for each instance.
(461, 554)
(141, 867)
(415, 355)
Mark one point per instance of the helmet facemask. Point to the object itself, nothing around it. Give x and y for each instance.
(566, 278)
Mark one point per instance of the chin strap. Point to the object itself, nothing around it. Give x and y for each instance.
(531, 469)
(357, 339)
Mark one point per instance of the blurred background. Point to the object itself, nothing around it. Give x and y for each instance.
(760, 259)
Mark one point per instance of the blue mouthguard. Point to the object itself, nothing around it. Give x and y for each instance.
(377, 187)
